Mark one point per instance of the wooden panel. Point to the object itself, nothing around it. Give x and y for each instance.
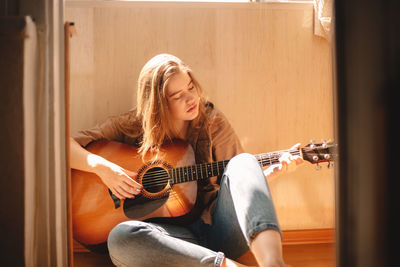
(290, 237)
(308, 236)
(258, 62)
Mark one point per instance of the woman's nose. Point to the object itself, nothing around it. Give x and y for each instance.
(190, 97)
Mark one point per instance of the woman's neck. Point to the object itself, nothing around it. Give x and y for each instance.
(181, 129)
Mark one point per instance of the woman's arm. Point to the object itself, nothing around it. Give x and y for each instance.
(117, 179)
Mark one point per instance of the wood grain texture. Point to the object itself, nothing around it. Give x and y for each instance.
(260, 63)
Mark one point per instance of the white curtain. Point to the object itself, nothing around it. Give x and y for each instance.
(29, 96)
(323, 18)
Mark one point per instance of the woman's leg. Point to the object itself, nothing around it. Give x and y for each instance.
(136, 243)
(244, 212)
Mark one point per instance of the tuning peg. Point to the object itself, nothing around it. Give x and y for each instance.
(324, 143)
(312, 143)
(318, 167)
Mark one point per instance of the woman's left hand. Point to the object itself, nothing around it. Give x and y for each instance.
(287, 163)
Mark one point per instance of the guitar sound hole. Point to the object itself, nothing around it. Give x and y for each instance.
(155, 180)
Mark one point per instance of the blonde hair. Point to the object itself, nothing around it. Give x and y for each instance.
(152, 104)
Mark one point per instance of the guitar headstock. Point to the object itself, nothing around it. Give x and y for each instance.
(316, 153)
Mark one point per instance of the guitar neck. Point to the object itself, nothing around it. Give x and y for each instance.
(267, 159)
(208, 170)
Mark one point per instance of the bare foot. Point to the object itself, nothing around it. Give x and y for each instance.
(267, 249)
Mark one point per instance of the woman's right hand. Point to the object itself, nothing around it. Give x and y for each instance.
(120, 181)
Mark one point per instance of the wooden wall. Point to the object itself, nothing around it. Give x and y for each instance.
(258, 62)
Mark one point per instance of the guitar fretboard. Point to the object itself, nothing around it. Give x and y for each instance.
(207, 170)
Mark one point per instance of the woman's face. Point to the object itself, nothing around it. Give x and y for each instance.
(182, 96)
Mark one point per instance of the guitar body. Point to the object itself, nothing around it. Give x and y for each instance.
(95, 212)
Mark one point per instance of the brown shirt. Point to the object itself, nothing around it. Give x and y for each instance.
(212, 141)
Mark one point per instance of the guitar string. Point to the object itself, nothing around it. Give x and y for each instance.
(160, 178)
(213, 166)
(206, 166)
(160, 175)
(274, 157)
(157, 182)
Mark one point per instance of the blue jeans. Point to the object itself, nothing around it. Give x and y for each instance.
(244, 208)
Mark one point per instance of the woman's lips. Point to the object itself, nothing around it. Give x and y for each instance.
(192, 108)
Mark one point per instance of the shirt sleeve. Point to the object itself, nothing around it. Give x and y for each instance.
(106, 130)
(225, 143)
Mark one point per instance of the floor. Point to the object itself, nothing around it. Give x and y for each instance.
(83, 259)
(315, 255)
(319, 255)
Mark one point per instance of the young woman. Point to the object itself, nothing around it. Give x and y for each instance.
(235, 211)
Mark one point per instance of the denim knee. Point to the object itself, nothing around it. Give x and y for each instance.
(248, 166)
(124, 239)
(244, 159)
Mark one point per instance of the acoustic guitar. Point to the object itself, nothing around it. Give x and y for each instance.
(169, 185)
